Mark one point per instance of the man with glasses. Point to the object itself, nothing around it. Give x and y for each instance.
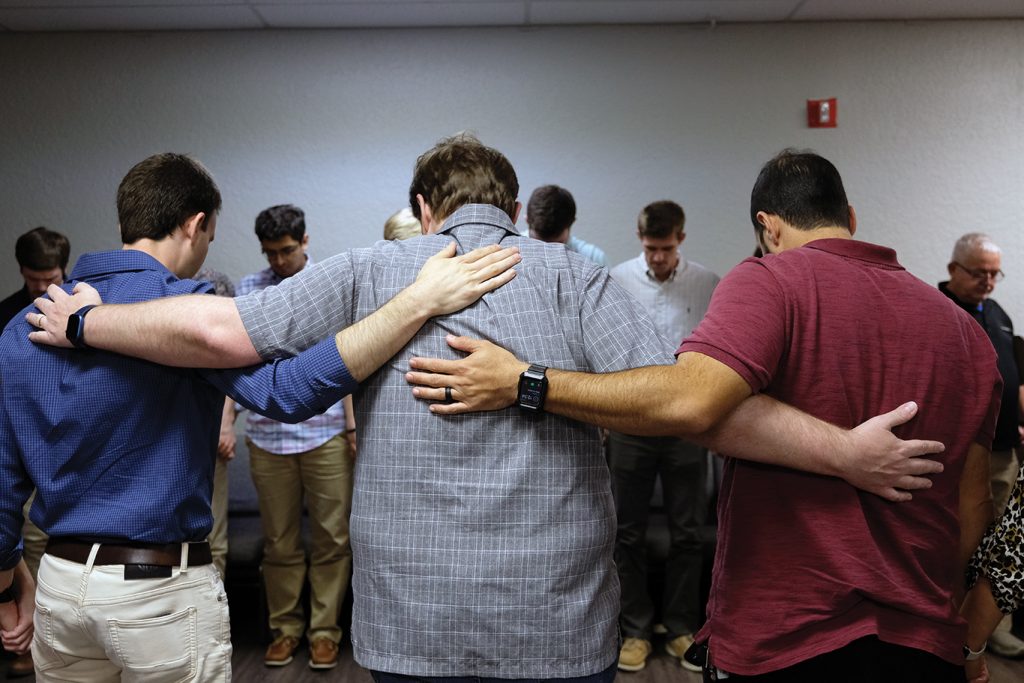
(973, 273)
(311, 460)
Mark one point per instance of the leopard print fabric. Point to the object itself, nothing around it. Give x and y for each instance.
(1000, 557)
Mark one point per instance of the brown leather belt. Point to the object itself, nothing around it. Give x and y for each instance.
(166, 555)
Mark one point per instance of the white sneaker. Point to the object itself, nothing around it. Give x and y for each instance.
(1004, 643)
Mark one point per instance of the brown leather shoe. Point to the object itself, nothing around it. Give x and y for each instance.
(281, 651)
(323, 654)
(20, 666)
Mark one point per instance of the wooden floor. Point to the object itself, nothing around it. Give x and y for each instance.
(247, 663)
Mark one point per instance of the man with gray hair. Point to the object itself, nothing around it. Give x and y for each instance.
(974, 270)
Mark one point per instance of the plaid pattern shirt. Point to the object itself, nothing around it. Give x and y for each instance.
(280, 437)
(482, 543)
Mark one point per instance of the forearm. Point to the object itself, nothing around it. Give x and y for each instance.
(981, 612)
(371, 342)
(290, 390)
(762, 429)
(184, 331)
(686, 399)
(976, 511)
(350, 414)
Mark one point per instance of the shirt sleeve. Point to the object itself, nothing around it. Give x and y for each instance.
(315, 303)
(1000, 557)
(746, 325)
(15, 488)
(617, 333)
(289, 390)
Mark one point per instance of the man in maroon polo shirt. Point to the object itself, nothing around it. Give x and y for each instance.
(814, 580)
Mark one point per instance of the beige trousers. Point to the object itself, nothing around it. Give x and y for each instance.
(323, 476)
(35, 541)
(219, 534)
(93, 626)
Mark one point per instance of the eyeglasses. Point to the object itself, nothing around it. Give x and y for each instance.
(994, 275)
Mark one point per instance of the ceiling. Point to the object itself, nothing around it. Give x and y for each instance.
(171, 15)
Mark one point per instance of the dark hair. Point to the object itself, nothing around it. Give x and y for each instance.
(160, 193)
(661, 219)
(550, 211)
(801, 188)
(42, 249)
(460, 170)
(283, 220)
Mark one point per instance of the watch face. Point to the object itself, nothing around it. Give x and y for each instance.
(531, 392)
(73, 332)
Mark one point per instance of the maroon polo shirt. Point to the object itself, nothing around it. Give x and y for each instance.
(807, 563)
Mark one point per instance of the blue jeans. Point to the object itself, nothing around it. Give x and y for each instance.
(606, 676)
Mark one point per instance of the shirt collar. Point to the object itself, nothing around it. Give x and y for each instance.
(478, 214)
(855, 249)
(99, 263)
(680, 267)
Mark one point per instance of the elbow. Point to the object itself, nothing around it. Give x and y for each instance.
(691, 420)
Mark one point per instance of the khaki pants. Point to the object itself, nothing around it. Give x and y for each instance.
(93, 626)
(324, 477)
(219, 504)
(35, 540)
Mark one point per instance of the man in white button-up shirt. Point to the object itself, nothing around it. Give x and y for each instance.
(675, 293)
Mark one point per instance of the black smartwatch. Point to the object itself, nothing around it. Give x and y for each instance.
(7, 594)
(533, 389)
(75, 331)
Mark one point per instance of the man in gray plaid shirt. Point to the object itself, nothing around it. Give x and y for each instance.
(482, 544)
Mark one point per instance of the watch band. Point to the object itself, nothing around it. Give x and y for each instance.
(970, 655)
(7, 595)
(75, 331)
(533, 389)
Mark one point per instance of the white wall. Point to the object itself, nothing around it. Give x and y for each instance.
(929, 141)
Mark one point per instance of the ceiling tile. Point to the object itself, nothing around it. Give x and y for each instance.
(72, 5)
(908, 9)
(130, 18)
(657, 11)
(392, 14)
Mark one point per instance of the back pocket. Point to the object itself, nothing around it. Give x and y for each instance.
(157, 650)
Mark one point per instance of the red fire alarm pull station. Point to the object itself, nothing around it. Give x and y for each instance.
(821, 113)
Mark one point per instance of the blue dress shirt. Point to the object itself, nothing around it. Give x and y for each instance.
(121, 449)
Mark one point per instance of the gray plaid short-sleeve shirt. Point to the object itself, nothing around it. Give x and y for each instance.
(482, 544)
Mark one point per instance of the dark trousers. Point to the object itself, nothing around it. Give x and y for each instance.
(636, 462)
(867, 660)
(606, 676)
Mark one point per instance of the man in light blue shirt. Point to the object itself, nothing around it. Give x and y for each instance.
(550, 214)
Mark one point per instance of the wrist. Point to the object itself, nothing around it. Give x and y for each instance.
(419, 306)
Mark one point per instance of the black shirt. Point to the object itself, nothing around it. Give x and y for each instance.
(997, 325)
(13, 305)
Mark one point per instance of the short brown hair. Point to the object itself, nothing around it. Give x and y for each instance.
(661, 219)
(550, 211)
(42, 249)
(160, 193)
(461, 170)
